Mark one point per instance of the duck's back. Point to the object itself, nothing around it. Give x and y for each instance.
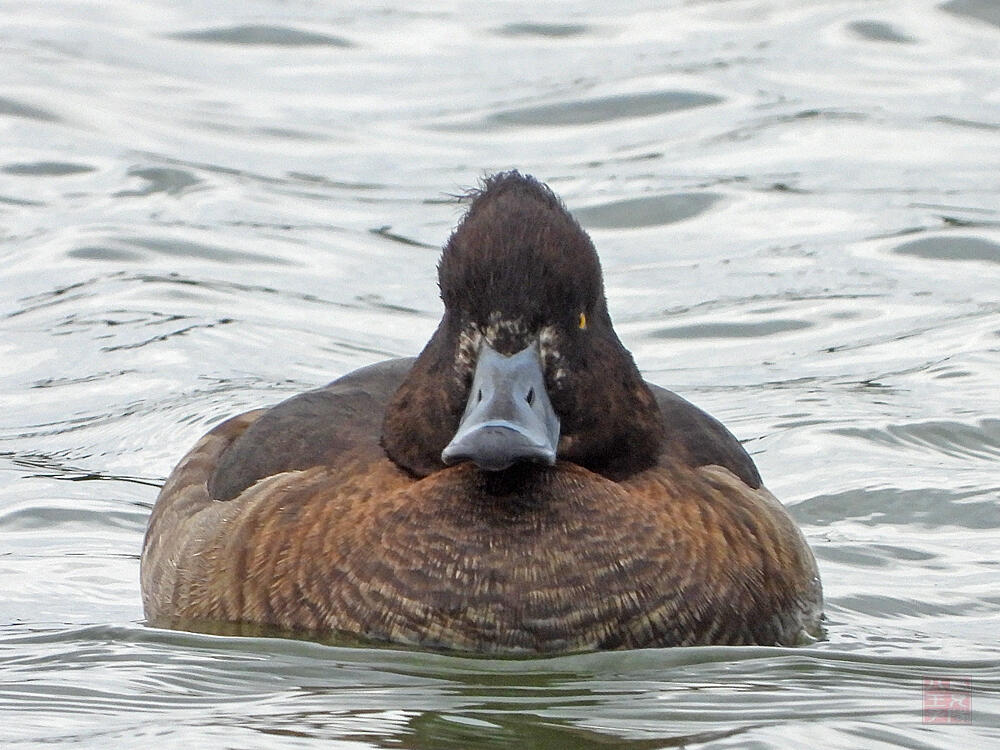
(316, 428)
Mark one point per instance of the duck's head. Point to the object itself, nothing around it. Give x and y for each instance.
(525, 365)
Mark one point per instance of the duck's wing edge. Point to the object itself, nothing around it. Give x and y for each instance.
(694, 436)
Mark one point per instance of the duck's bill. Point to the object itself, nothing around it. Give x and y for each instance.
(509, 417)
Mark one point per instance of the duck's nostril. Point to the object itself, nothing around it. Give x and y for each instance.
(479, 395)
(530, 398)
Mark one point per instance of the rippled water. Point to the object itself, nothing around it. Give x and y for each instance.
(206, 207)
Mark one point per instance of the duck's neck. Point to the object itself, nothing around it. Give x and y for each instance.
(611, 423)
(422, 416)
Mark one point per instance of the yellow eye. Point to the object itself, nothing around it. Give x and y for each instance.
(583, 322)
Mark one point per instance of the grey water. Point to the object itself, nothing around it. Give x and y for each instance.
(206, 207)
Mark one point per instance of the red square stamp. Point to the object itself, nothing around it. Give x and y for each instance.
(947, 701)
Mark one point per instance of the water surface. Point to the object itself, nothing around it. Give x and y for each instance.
(206, 208)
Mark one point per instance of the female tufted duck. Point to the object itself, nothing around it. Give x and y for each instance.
(516, 488)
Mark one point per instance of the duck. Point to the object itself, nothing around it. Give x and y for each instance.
(517, 488)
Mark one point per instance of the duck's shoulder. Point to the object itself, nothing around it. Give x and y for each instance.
(698, 439)
(314, 428)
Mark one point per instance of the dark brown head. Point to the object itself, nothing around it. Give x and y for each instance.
(525, 354)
